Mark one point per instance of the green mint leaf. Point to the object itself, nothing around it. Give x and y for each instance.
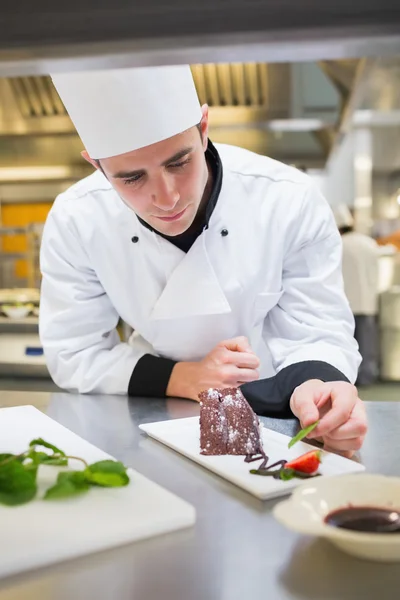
(55, 461)
(77, 477)
(37, 457)
(302, 434)
(6, 457)
(287, 474)
(17, 484)
(107, 473)
(32, 469)
(42, 442)
(69, 484)
(41, 458)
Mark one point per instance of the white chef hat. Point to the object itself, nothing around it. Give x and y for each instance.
(121, 110)
(343, 216)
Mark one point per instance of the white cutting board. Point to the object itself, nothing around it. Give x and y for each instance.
(183, 435)
(40, 533)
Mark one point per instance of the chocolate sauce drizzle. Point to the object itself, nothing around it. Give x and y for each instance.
(259, 456)
(277, 473)
(263, 466)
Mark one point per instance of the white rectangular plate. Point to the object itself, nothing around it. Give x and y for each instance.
(42, 532)
(183, 435)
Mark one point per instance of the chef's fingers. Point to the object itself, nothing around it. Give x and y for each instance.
(324, 401)
(344, 453)
(243, 360)
(350, 445)
(355, 427)
(303, 404)
(240, 376)
(343, 398)
(237, 344)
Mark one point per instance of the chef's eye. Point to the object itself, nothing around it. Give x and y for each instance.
(133, 179)
(177, 165)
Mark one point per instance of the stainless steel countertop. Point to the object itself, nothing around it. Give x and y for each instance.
(236, 550)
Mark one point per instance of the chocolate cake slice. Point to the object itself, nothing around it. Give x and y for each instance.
(228, 424)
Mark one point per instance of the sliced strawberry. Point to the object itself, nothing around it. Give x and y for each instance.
(307, 463)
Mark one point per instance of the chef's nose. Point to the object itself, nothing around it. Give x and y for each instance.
(164, 193)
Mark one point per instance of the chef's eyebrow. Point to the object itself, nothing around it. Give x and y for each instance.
(175, 158)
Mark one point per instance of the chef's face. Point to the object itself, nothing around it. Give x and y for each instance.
(163, 183)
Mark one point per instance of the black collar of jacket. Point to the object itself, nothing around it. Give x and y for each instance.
(185, 240)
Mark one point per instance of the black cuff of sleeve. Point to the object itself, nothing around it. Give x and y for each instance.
(271, 397)
(150, 376)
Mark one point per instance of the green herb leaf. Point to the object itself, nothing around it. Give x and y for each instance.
(17, 484)
(31, 468)
(71, 483)
(6, 457)
(107, 473)
(55, 461)
(41, 442)
(302, 434)
(37, 457)
(287, 474)
(41, 458)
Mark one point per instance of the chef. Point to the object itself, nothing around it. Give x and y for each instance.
(226, 264)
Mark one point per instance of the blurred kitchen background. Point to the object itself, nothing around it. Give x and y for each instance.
(337, 120)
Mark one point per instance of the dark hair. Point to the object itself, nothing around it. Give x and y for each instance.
(346, 229)
(97, 161)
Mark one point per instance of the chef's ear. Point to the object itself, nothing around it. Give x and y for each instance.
(92, 161)
(204, 126)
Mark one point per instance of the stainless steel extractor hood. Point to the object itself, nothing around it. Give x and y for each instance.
(287, 111)
(36, 38)
(245, 59)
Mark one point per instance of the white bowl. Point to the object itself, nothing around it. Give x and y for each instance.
(16, 312)
(311, 502)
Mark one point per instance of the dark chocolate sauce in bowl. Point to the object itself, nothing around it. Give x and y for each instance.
(368, 519)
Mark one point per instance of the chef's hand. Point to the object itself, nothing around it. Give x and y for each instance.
(229, 364)
(343, 421)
